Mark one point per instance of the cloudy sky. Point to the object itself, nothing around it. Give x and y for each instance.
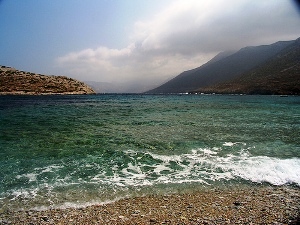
(135, 44)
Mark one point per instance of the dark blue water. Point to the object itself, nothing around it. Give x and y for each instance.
(76, 150)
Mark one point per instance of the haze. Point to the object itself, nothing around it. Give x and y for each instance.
(135, 45)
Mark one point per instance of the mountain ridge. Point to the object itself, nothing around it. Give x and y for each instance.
(221, 70)
(279, 75)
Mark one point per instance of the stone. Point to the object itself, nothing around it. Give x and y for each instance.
(237, 203)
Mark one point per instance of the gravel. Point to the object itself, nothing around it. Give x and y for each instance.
(252, 205)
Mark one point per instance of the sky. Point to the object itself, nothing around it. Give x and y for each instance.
(135, 44)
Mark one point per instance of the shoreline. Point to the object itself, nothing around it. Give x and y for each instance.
(20, 93)
(247, 205)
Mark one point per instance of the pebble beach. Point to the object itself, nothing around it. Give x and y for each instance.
(143, 159)
(252, 205)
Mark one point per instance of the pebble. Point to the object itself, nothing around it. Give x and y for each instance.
(152, 220)
(255, 205)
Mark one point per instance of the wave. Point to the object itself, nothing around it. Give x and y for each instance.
(134, 169)
(205, 165)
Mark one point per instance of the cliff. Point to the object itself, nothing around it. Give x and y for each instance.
(16, 82)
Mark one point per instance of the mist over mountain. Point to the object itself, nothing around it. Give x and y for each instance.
(224, 67)
(279, 75)
(107, 87)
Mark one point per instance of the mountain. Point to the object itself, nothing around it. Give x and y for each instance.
(223, 67)
(279, 75)
(128, 87)
(16, 82)
(103, 87)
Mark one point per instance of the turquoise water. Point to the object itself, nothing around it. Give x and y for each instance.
(60, 151)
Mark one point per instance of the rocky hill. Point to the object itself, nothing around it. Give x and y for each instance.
(279, 75)
(16, 82)
(223, 67)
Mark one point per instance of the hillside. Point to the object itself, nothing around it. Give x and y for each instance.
(16, 82)
(279, 75)
(222, 68)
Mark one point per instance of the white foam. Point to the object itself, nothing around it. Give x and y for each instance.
(230, 144)
(166, 158)
(49, 168)
(30, 176)
(207, 151)
(77, 205)
(204, 165)
(265, 169)
(159, 168)
(201, 165)
(134, 171)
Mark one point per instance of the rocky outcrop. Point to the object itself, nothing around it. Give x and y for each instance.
(16, 82)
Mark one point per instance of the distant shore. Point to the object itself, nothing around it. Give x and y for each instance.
(21, 93)
(253, 205)
(16, 82)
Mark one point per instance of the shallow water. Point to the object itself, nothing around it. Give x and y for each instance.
(76, 150)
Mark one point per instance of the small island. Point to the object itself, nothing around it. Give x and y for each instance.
(16, 82)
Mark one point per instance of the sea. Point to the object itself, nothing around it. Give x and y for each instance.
(77, 150)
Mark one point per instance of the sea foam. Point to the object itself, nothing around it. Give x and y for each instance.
(202, 166)
(206, 165)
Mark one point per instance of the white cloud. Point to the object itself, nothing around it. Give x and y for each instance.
(192, 27)
(184, 36)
